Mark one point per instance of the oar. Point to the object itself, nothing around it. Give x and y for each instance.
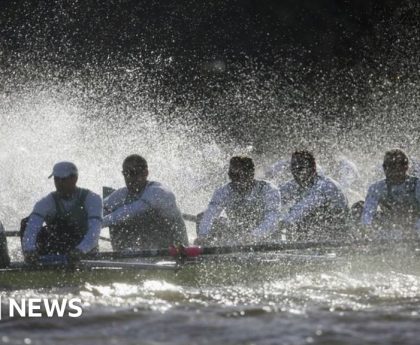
(170, 266)
(283, 246)
(195, 251)
(17, 234)
(167, 266)
(190, 217)
(127, 254)
(12, 233)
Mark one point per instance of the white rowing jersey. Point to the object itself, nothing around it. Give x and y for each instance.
(347, 173)
(414, 168)
(348, 177)
(120, 207)
(277, 169)
(324, 195)
(147, 219)
(255, 213)
(46, 208)
(399, 204)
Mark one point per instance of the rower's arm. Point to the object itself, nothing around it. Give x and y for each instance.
(213, 211)
(93, 206)
(371, 205)
(288, 192)
(126, 212)
(36, 220)
(271, 218)
(114, 201)
(32, 230)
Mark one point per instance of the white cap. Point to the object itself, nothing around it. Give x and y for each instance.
(63, 170)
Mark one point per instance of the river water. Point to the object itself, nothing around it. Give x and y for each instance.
(347, 305)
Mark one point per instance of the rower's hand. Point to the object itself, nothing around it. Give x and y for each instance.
(201, 241)
(256, 235)
(366, 232)
(282, 225)
(31, 257)
(74, 256)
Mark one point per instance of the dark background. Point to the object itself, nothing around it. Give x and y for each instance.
(257, 63)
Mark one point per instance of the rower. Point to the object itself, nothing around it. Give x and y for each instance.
(347, 175)
(65, 222)
(277, 172)
(143, 214)
(398, 198)
(252, 207)
(4, 252)
(316, 208)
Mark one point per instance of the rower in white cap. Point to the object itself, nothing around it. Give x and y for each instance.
(66, 222)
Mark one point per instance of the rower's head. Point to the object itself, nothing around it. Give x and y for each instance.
(395, 166)
(135, 172)
(303, 167)
(241, 170)
(65, 178)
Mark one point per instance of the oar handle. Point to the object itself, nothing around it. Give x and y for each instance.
(190, 217)
(17, 234)
(12, 233)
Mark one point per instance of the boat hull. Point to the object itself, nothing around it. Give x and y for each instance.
(243, 268)
(226, 269)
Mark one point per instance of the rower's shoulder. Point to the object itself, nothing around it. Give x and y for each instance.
(328, 182)
(91, 196)
(266, 185)
(118, 194)
(222, 192)
(377, 186)
(289, 186)
(46, 200)
(45, 205)
(158, 186)
(158, 190)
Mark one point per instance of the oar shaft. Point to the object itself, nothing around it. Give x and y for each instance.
(267, 247)
(194, 251)
(281, 246)
(17, 234)
(127, 265)
(12, 233)
(190, 217)
(146, 253)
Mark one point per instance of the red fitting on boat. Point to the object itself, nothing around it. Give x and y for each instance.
(174, 250)
(192, 252)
